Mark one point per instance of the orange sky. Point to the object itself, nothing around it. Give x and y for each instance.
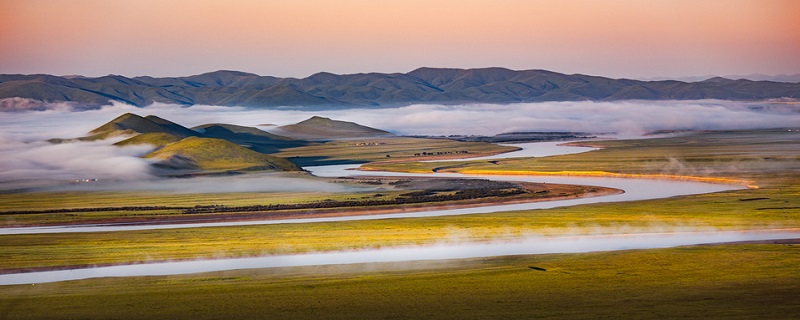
(617, 38)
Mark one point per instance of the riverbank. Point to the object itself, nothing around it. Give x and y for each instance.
(533, 193)
(529, 245)
(697, 282)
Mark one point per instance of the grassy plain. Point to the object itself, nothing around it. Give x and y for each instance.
(768, 157)
(772, 208)
(747, 281)
(776, 205)
(728, 281)
(368, 195)
(76, 200)
(387, 149)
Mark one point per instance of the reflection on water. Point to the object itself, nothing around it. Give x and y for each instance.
(534, 149)
(532, 245)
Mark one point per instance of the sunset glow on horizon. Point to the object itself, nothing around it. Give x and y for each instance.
(615, 38)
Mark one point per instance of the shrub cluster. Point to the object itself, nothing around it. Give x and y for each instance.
(407, 198)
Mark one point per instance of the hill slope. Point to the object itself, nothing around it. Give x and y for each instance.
(255, 139)
(424, 85)
(130, 123)
(157, 139)
(216, 155)
(319, 128)
(215, 147)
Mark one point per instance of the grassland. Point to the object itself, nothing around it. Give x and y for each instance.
(375, 195)
(387, 150)
(211, 154)
(752, 281)
(776, 205)
(736, 210)
(768, 157)
(76, 200)
(729, 281)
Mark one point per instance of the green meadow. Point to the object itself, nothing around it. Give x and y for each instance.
(747, 281)
(768, 157)
(773, 208)
(732, 281)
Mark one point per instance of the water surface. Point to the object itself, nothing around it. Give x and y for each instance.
(531, 245)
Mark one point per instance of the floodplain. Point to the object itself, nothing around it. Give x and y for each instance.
(741, 280)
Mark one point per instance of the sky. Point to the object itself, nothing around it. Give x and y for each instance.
(297, 38)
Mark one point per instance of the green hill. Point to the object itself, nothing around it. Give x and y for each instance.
(158, 139)
(253, 138)
(216, 155)
(130, 124)
(319, 128)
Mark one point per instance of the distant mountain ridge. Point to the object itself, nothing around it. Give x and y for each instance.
(792, 78)
(325, 90)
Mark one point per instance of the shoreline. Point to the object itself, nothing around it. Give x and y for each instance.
(784, 241)
(726, 181)
(584, 192)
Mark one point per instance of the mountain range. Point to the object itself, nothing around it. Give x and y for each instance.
(327, 90)
(753, 77)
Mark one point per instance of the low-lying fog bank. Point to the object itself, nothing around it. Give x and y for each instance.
(530, 245)
(27, 159)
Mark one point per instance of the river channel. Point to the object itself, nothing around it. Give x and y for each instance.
(635, 189)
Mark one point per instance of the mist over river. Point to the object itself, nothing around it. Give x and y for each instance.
(530, 245)
(26, 158)
(635, 189)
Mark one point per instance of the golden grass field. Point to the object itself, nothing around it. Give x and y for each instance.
(733, 281)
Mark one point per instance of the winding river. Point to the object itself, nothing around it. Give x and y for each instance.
(635, 189)
(531, 245)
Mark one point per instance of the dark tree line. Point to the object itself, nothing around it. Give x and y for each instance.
(406, 198)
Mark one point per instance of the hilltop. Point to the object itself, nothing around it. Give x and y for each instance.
(130, 123)
(327, 90)
(320, 128)
(210, 147)
(218, 147)
(254, 138)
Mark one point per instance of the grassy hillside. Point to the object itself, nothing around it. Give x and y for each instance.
(130, 123)
(215, 155)
(157, 139)
(255, 139)
(319, 128)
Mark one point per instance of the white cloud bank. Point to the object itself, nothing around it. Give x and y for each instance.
(25, 156)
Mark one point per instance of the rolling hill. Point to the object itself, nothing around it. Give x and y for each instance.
(327, 90)
(320, 128)
(255, 139)
(210, 154)
(129, 123)
(211, 147)
(156, 139)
